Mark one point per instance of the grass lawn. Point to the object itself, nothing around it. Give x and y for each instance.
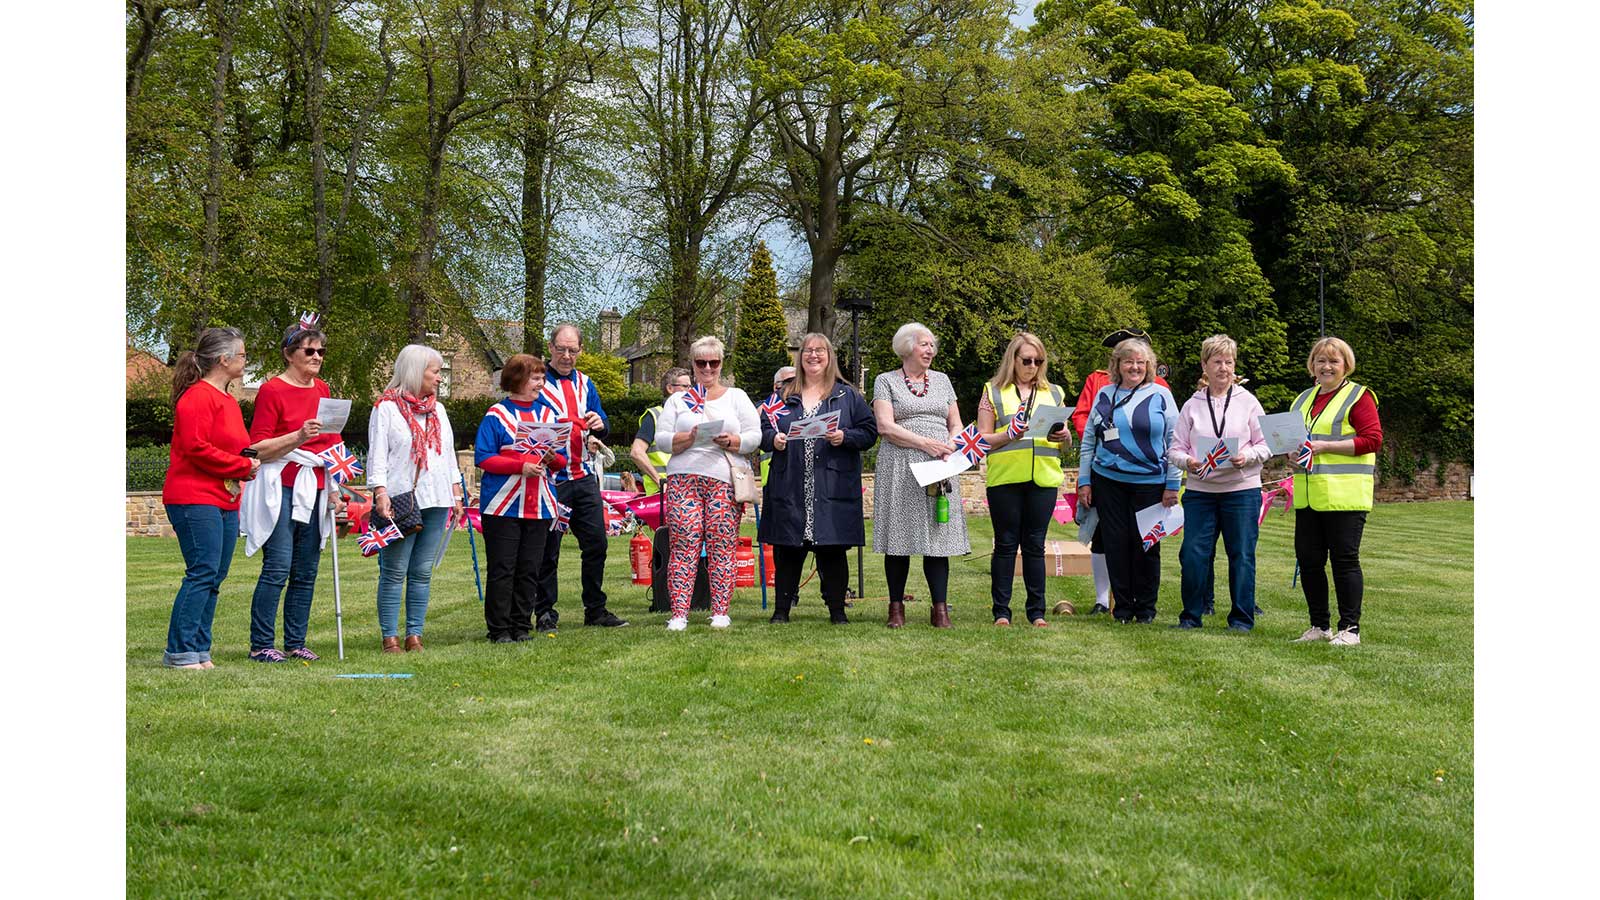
(1086, 759)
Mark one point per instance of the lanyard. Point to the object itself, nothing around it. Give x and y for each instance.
(1213, 410)
(1312, 427)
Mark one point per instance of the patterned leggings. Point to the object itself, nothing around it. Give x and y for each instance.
(701, 508)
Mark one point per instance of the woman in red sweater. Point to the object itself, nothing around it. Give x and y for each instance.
(289, 437)
(208, 443)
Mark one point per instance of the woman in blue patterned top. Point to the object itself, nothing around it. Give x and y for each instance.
(1123, 468)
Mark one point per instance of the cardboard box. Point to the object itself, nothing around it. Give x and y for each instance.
(1062, 558)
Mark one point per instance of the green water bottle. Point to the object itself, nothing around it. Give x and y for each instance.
(941, 509)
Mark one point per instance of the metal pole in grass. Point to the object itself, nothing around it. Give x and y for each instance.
(761, 558)
(465, 499)
(338, 606)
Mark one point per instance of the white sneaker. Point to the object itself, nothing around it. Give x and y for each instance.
(1313, 634)
(1346, 638)
(720, 621)
(680, 623)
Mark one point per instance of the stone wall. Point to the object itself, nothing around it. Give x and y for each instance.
(147, 516)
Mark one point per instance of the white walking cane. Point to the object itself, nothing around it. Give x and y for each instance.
(338, 608)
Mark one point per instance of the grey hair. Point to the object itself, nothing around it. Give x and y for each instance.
(709, 342)
(779, 376)
(413, 360)
(555, 333)
(905, 339)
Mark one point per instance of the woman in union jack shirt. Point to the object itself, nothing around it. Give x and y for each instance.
(515, 498)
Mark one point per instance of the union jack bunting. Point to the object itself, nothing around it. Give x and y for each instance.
(1156, 533)
(695, 399)
(1217, 456)
(341, 464)
(771, 408)
(972, 445)
(374, 540)
(563, 519)
(1302, 457)
(1019, 424)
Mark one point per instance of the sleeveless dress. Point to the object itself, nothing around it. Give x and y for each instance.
(902, 511)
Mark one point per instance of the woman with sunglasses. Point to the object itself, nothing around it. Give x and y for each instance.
(699, 485)
(1023, 474)
(283, 512)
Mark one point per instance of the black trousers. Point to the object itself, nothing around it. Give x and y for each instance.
(1134, 571)
(515, 551)
(1319, 537)
(589, 528)
(934, 568)
(833, 567)
(1020, 514)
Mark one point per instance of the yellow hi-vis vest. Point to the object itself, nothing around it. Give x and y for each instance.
(1024, 459)
(1337, 481)
(656, 457)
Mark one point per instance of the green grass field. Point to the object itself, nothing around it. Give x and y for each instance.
(1086, 759)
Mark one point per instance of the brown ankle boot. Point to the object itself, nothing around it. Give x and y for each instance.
(897, 613)
(940, 615)
(413, 642)
(391, 645)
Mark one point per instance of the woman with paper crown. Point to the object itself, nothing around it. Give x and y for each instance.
(1218, 440)
(699, 489)
(918, 420)
(813, 497)
(1123, 469)
(284, 512)
(1023, 474)
(1333, 481)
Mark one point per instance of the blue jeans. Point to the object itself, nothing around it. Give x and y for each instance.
(409, 563)
(290, 556)
(206, 535)
(1234, 513)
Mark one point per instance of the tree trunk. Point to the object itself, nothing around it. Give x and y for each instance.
(149, 22)
(685, 295)
(535, 226)
(226, 20)
(317, 47)
(427, 236)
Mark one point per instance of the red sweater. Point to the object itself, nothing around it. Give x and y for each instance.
(207, 435)
(1363, 418)
(281, 408)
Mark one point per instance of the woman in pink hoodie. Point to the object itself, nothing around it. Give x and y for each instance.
(1218, 441)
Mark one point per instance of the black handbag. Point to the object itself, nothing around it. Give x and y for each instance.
(403, 508)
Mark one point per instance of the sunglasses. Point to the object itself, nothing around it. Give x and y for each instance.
(1030, 361)
(708, 363)
(314, 351)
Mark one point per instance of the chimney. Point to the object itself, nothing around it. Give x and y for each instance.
(649, 330)
(610, 330)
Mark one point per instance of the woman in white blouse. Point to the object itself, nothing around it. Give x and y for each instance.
(410, 446)
(699, 485)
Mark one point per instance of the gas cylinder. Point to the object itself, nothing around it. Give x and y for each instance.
(639, 555)
(772, 570)
(744, 564)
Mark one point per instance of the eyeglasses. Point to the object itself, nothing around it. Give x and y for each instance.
(814, 351)
(314, 351)
(564, 351)
(708, 363)
(1029, 361)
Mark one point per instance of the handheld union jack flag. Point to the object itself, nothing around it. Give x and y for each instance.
(341, 464)
(1302, 457)
(1156, 533)
(771, 408)
(972, 445)
(1019, 424)
(695, 399)
(563, 519)
(1218, 455)
(375, 540)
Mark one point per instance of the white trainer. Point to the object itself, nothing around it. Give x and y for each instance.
(1347, 638)
(678, 624)
(1313, 634)
(720, 621)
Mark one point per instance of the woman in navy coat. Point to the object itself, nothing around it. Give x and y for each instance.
(812, 501)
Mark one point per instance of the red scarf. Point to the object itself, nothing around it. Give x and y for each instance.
(423, 437)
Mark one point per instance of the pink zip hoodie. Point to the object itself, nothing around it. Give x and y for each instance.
(1194, 436)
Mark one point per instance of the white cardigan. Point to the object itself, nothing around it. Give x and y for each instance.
(389, 462)
(737, 413)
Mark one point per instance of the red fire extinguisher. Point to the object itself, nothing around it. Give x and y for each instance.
(772, 570)
(639, 554)
(744, 564)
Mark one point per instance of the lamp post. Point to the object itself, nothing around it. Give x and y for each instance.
(857, 301)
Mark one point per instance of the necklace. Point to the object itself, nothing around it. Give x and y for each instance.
(907, 379)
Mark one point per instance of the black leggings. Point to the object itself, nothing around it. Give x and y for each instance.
(1321, 537)
(833, 566)
(934, 568)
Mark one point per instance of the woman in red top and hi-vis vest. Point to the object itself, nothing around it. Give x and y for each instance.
(208, 445)
(1098, 379)
(1333, 493)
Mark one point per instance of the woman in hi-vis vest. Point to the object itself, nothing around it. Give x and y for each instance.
(1333, 494)
(1023, 474)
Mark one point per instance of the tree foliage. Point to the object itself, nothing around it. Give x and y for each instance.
(761, 339)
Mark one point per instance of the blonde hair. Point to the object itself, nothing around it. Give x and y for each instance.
(830, 373)
(1128, 348)
(1216, 345)
(709, 342)
(1337, 345)
(1007, 373)
(905, 338)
